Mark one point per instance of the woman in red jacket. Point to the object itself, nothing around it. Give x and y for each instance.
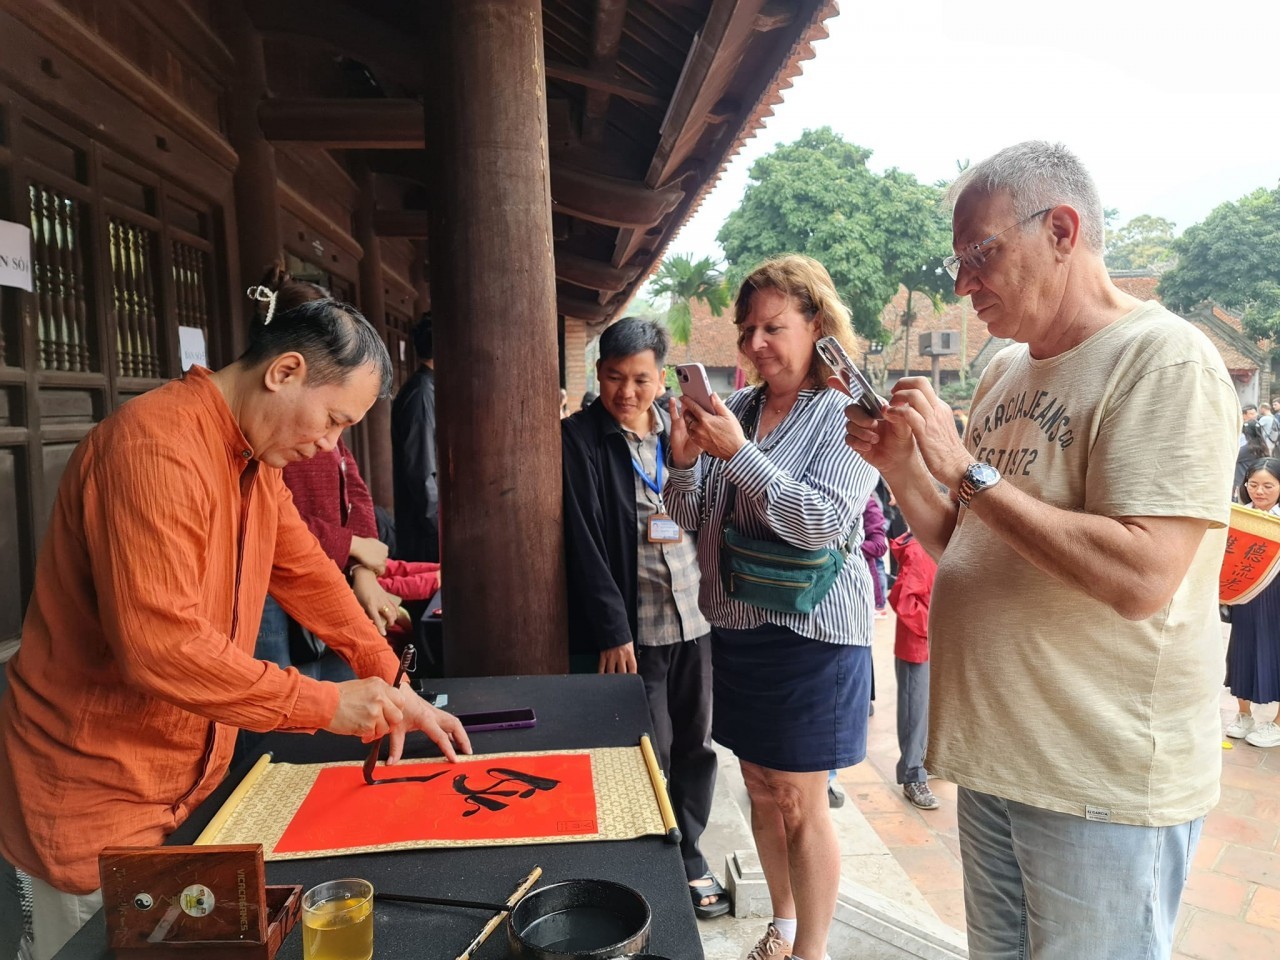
(909, 598)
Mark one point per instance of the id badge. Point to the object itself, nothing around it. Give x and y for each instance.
(662, 529)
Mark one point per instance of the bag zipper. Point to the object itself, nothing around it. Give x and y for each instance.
(797, 562)
(765, 580)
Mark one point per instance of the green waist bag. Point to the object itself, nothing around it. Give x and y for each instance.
(777, 576)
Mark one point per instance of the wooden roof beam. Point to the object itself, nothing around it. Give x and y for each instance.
(344, 123)
(393, 55)
(606, 39)
(572, 268)
(594, 197)
(596, 80)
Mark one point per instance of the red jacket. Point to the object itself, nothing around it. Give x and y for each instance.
(333, 500)
(909, 598)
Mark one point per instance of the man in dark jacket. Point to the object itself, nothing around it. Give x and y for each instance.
(633, 577)
(413, 453)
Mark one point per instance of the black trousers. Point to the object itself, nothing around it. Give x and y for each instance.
(677, 680)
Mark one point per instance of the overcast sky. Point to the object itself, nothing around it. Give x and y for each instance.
(1175, 108)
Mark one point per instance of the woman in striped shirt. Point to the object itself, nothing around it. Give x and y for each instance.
(791, 690)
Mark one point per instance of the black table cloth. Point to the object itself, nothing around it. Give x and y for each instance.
(573, 712)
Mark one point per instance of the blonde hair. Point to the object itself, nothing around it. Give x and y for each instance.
(806, 283)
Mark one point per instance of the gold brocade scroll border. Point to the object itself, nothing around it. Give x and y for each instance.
(1257, 524)
(625, 805)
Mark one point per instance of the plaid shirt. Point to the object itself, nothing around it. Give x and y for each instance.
(666, 573)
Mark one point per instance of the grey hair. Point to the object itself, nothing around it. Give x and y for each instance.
(632, 335)
(1038, 174)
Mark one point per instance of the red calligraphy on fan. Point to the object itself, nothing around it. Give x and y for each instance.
(495, 798)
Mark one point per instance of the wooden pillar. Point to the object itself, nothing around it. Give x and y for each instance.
(493, 303)
(257, 199)
(377, 472)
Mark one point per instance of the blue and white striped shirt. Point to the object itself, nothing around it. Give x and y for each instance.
(801, 484)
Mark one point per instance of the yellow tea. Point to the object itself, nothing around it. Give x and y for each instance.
(339, 929)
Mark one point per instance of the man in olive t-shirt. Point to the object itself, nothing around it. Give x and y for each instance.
(1076, 650)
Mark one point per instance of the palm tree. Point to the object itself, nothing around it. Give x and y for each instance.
(684, 281)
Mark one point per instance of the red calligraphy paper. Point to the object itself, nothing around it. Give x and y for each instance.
(1250, 562)
(498, 798)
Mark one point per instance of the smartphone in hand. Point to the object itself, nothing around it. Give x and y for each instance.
(856, 385)
(694, 384)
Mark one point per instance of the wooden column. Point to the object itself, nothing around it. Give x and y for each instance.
(257, 199)
(377, 472)
(493, 302)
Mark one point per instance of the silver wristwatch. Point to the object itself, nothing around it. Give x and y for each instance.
(980, 476)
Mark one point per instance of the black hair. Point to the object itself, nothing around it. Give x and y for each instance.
(422, 344)
(632, 335)
(1269, 464)
(333, 338)
(589, 398)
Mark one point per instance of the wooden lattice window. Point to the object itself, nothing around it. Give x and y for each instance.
(134, 297)
(58, 238)
(400, 345)
(191, 286)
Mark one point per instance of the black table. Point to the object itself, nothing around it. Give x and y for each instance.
(573, 712)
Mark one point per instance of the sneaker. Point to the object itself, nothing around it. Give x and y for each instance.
(835, 795)
(1264, 735)
(770, 947)
(920, 795)
(1240, 727)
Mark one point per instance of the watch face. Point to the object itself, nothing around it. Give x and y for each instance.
(983, 474)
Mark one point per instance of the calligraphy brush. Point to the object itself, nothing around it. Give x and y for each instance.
(371, 761)
(442, 902)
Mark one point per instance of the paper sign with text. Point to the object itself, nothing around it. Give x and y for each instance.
(192, 346)
(15, 255)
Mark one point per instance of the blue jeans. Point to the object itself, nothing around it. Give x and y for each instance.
(1040, 885)
(913, 719)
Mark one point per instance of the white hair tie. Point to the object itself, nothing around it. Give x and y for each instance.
(264, 295)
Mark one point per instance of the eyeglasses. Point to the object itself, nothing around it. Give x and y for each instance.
(975, 257)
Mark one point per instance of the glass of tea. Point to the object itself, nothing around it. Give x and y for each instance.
(337, 921)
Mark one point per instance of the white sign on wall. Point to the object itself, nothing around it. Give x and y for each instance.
(15, 255)
(192, 346)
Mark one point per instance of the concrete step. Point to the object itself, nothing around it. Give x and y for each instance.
(880, 915)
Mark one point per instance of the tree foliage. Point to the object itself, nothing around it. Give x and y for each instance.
(1233, 257)
(873, 232)
(684, 280)
(1145, 242)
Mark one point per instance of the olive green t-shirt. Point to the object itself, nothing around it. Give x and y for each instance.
(1041, 694)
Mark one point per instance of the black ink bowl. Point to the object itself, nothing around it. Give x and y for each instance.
(579, 920)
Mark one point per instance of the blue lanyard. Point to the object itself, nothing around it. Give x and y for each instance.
(654, 484)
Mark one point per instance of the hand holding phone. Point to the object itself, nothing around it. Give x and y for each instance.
(856, 385)
(695, 384)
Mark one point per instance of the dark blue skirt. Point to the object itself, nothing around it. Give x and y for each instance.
(1253, 653)
(789, 703)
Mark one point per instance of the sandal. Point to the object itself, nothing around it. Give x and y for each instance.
(706, 911)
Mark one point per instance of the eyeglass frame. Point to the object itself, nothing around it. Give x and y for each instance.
(953, 263)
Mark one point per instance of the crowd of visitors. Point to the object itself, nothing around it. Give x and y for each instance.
(732, 555)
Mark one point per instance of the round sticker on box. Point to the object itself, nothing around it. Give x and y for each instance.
(197, 900)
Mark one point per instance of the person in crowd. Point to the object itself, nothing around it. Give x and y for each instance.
(1075, 585)
(1253, 449)
(960, 417)
(170, 525)
(414, 462)
(791, 688)
(1249, 413)
(588, 399)
(633, 578)
(1269, 424)
(564, 403)
(1253, 652)
(910, 601)
(874, 547)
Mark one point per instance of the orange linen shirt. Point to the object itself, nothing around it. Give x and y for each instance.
(136, 664)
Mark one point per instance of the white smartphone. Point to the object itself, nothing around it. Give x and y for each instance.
(694, 384)
(856, 385)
